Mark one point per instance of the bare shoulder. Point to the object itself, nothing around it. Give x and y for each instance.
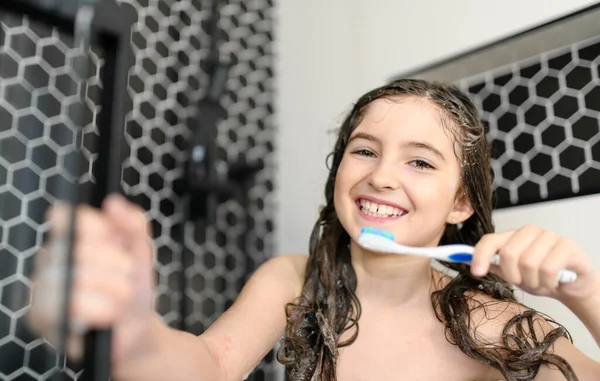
(291, 262)
(515, 326)
(286, 268)
(490, 317)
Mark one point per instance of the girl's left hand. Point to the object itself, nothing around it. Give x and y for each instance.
(531, 259)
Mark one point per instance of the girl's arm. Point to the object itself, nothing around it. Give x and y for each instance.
(235, 343)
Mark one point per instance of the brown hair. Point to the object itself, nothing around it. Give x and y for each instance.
(328, 306)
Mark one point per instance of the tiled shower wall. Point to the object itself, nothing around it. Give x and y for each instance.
(544, 124)
(170, 45)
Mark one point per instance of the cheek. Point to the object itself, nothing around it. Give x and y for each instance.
(341, 182)
(425, 185)
(434, 193)
(452, 187)
(454, 184)
(338, 189)
(345, 177)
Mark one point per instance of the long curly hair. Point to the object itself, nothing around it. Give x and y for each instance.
(328, 306)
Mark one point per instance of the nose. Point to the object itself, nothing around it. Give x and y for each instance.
(384, 177)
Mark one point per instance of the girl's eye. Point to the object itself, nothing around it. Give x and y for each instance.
(364, 152)
(421, 164)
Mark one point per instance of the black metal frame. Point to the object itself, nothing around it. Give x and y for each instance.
(111, 28)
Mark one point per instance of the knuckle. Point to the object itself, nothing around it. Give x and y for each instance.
(527, 263)
(568, 244)
(91, 224)
(485, 241)
(93, 308)
(531, 228)
(512, 278)
(509, 252)
(550, 269)
(549, 234)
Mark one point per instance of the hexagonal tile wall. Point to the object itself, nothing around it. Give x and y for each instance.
(37, 94)
(543, 116)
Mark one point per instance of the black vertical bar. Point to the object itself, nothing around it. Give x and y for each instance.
(108, 162)
(111, 127)
(107, 174)
(112, 24)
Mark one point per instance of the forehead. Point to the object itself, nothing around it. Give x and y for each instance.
(408, 118)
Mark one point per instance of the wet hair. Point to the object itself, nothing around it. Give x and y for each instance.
(329, 308)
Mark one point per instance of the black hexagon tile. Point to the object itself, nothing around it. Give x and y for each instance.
(543, 116)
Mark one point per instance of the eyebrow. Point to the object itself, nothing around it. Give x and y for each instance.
(426, 146)
(407, 144)
(362, 135)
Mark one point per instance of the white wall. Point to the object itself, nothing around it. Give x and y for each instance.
(331, 51)
(575, 218)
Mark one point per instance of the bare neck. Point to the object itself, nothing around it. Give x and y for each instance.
(391, 279)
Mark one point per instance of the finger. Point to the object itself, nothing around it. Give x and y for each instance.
(107, 257)
(41, 260)
(94, 309)
(511, 252)
(92, 261)
(88, 308)
(89, 222)
(101, 279)
(75, 347)
(131, 221)
(485, 249)
(555, 261)
(58, 215)
(102, 255)
(75, 342)
(533, 258)
(129, 217)
(103, 284)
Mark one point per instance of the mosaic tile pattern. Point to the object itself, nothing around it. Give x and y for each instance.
(170, 44)
(543, 115)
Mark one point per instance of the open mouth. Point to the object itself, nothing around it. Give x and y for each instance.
(379, 210)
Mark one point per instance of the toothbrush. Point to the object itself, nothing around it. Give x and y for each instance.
(382, 241)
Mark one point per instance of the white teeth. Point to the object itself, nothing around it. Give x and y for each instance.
(379, 210)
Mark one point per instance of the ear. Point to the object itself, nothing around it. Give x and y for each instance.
(461, 211)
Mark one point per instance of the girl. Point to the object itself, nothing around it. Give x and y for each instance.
(411, 158)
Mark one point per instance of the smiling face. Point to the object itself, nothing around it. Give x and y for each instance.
(400, 173)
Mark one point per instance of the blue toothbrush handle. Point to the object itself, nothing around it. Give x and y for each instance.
(564, 276)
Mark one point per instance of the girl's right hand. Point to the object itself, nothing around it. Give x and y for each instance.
(113, 278)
